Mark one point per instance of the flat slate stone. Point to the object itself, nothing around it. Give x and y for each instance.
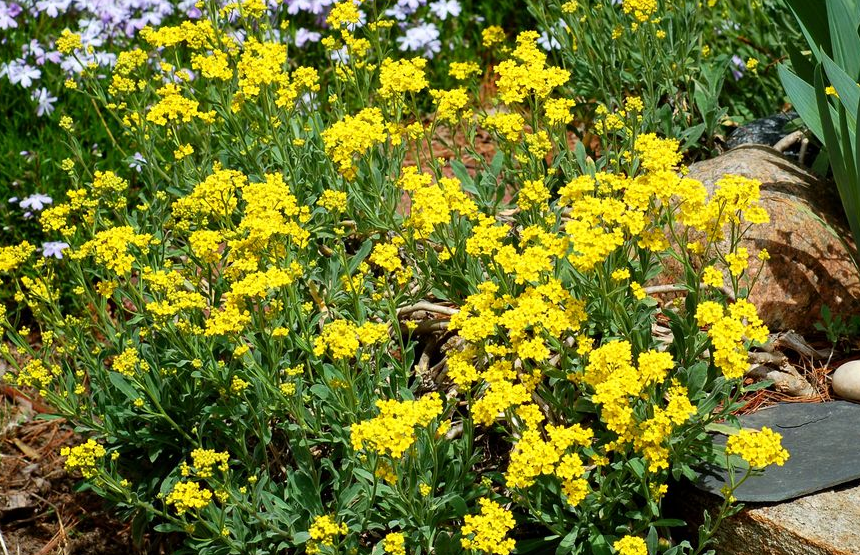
(823, 440)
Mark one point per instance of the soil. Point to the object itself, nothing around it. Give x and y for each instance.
(40, 512)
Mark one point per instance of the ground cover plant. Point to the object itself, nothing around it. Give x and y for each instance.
(698, 66)
(313, 317)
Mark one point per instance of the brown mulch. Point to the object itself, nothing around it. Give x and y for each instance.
(40, 513)
(816, 373)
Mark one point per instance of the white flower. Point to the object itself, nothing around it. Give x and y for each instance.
(137, 162)
(54, 248)
(45, 101)
(443, 8)
(36, 201)
(424, 38)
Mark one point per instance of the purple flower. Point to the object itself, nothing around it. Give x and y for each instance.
(424, 38)
(53, 8)
(19, 72)
(54, 248)
(44, 100)
(739, 67)
(8, 13)
(303, 36)
(36, 201)
(443, 8)
(137, 162)
(36, 50)
(315, 7)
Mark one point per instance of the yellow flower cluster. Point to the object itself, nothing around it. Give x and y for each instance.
(188, 496)
(526, 73)
(261, 64)
(618, 385)
(642, 10)
(198, 35)
(433, 203)
(401, 76)
(533, 456)
(450, 105)
(394, 543)
(728, 331)
(758, 448)
(342, 338)
(631, 545)
(36, 374)
(174, 297)
(213, 65)
(353, 136)
(486, 531)
(174, 108)
(111, 248)
(205, 461)
(68, 42)
(324, 530)
(13, 256)
(463, 70)
(83, 457)
(392, 432)
(126, 362)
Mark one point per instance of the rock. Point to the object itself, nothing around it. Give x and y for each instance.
(809, 266)
(821, 524)
(769, 131)
(821, 441)
(846, 380)
(765, 131)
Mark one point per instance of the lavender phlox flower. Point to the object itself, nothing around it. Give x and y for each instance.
(36, 201)
(443, 8)
(8, 13)
(35, 49)
(52, 8)
(44, 101)
(423, 38)
(137, 162)
(54, 248)
(739, 67)
(315, 7)
(304, 36)
(20, 73)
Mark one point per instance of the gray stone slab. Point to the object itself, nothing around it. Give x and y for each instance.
(823, 440)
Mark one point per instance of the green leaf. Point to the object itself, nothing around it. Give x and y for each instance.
(802, 96)
(813, 23)
(359, 256)
(119, 382)
(844, 40)
(846, 87)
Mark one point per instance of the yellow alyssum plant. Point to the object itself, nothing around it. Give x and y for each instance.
(310, 333)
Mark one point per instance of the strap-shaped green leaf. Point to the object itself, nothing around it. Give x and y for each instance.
(802, 96)
(844, 40)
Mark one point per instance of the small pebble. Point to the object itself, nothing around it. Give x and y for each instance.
(846, 380)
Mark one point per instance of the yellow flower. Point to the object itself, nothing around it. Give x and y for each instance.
(394, 543)
(486, 531)
(392, 432)
(463, 70)
(83, 457)
(68, 42)
(631, 545)
(738, 261)
(758, 448)
(187, 496)
(713, 277)
(492, 35)
(401, 76)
